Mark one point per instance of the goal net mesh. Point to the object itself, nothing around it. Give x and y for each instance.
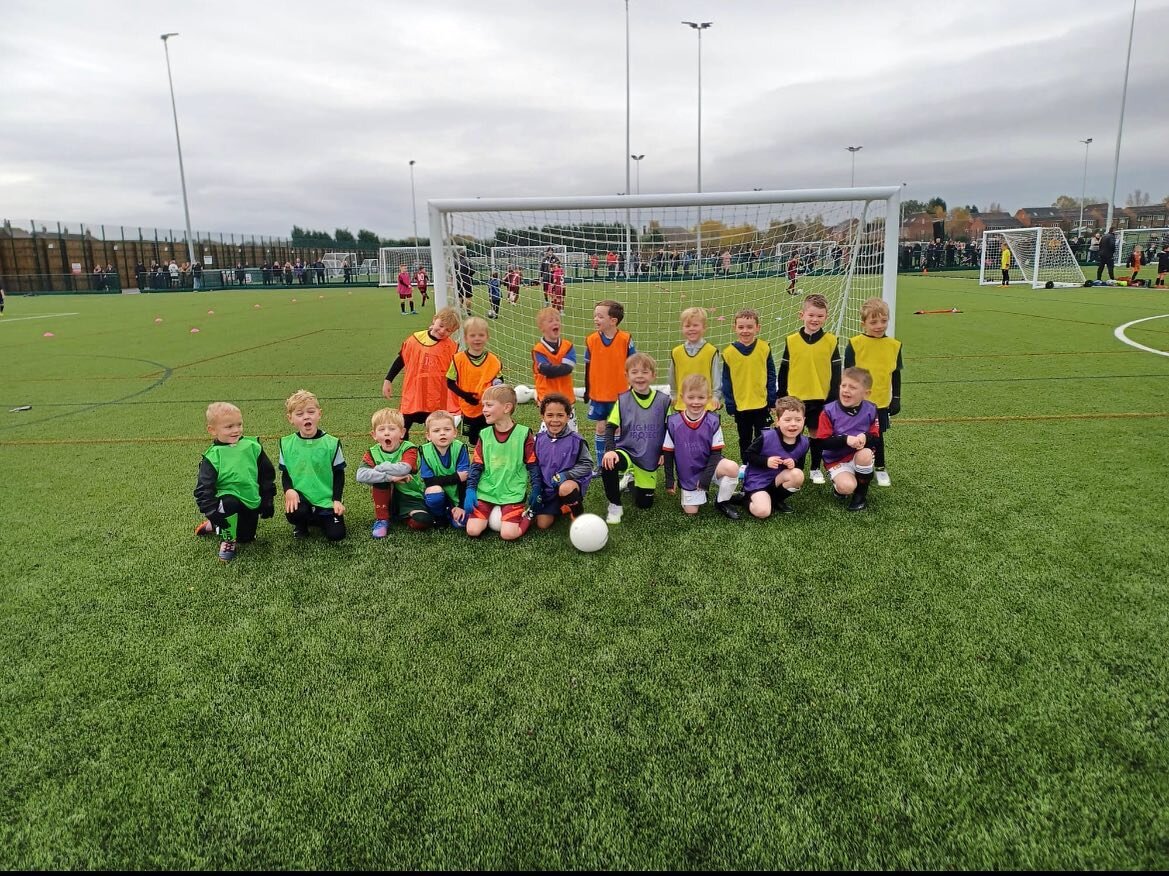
(1150, 240)
(653, 261)
(1038, 256)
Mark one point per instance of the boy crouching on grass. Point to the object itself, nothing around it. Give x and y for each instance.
(848, 432)
(390, 469)
(634, 435)
(775, 461)
(694, 443)
(237, 483)
(503, 469)
(444, 469)
(312, 470)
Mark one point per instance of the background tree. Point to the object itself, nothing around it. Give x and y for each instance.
(958, 223)
(936, 207)
(344, 235)
(912, 205)
(1137, 198)
(366, 239)
(995, 207)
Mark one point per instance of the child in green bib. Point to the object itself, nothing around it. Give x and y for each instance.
(504, 471)
(390, 469)
(236, 485)
(312, 470)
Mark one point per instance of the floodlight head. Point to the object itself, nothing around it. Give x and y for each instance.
(411, 162)
(699, 25)
(166, 36)
(637, 157)
(854, 148)
(1086, 142)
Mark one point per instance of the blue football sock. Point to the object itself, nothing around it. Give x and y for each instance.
(599, 445)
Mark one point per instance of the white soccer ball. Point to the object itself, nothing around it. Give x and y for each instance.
(663, 388)
(524, 394)
(589, 533)
(578, 391)
(495, 519)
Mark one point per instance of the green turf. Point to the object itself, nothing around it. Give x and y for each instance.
(973, 673)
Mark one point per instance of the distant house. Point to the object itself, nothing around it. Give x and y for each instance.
(1046, 217)
(992, 222)
(677, 237)
(918, 226)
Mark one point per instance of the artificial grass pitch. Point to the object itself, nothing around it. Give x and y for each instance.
(972, 673)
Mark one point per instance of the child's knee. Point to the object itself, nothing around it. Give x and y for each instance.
(760, 506)
(690, 509)
(475, 527)
(433, 491)
(568, 488)
(864, 457)
(728, 468)
(793, 479)
(544, 521)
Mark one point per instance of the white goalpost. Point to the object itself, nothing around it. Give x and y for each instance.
(334, 263)
(391, 258)
(1150, 240)
(658, 273)
(1039, 257)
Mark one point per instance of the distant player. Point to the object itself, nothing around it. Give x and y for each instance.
(1135, 260)
(405, 290)
(512, 280)
(1006, 265)
(793, 267)
(1162, 270)
(546, 273)
(422, 280)
(557, 285)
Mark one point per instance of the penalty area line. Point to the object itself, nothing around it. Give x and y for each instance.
(1125, 339)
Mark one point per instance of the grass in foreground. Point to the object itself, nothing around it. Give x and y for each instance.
(972, 674)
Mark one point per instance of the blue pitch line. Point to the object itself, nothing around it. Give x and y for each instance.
(163, 378)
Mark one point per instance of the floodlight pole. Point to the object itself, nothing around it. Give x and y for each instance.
(628, 226)
(852, 179)
(638, 158)
(414, 208)
(699, 26)
(1120, 125)
(179, 143)
(1084, 187)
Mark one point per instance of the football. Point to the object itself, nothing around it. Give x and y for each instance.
(588, 533)
(524, 394)
(495, 519)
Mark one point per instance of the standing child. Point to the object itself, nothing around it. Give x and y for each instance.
(748, 379)
(566, 467)
(1135, 260)
(1162, 270)
(848, 432)
(606, 351)
(426, 357)
(553, 362)
(557, 285)
(1006, 265)
(236, 484)
(695, 355)
(312, 469)
(512, 280)
(694, 441)
(793, 267)
(775, 461)
(445, 467)
(470, 373)
(810, 369)
(503, 470)
(422, 279)
(880, 355)
(405, 291)
(493, 295)
(639, 414)
(390, 469)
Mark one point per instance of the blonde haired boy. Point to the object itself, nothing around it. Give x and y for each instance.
(390, 469)
(847, 433)
(503, 469)
(236, 484)
(425, 357)
(810, 368)
(748, 378)
(880, 355)
(312, 471)
(695, 355)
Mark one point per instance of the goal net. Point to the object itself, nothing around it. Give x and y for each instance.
(392, 258)
(1038, 256)
(526, 257)
(1150, 240)
(334, 263)
(662, 265)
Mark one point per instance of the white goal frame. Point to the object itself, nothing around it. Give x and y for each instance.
(390, 257)
(1127, 238)
(1041, 254)
(535, 256)
(441, 211)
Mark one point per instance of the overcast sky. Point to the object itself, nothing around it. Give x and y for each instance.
(308, 113)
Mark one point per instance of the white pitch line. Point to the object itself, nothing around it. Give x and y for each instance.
(1122, 337)
(7, 320)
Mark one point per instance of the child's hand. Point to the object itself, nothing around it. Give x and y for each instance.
(717, 404)
(774, 462)
(789, 464)
(338, 509)
(401, 479)
(291, 501)
(457, 515)
(671, 491)
(610, 459)
(387, 389)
